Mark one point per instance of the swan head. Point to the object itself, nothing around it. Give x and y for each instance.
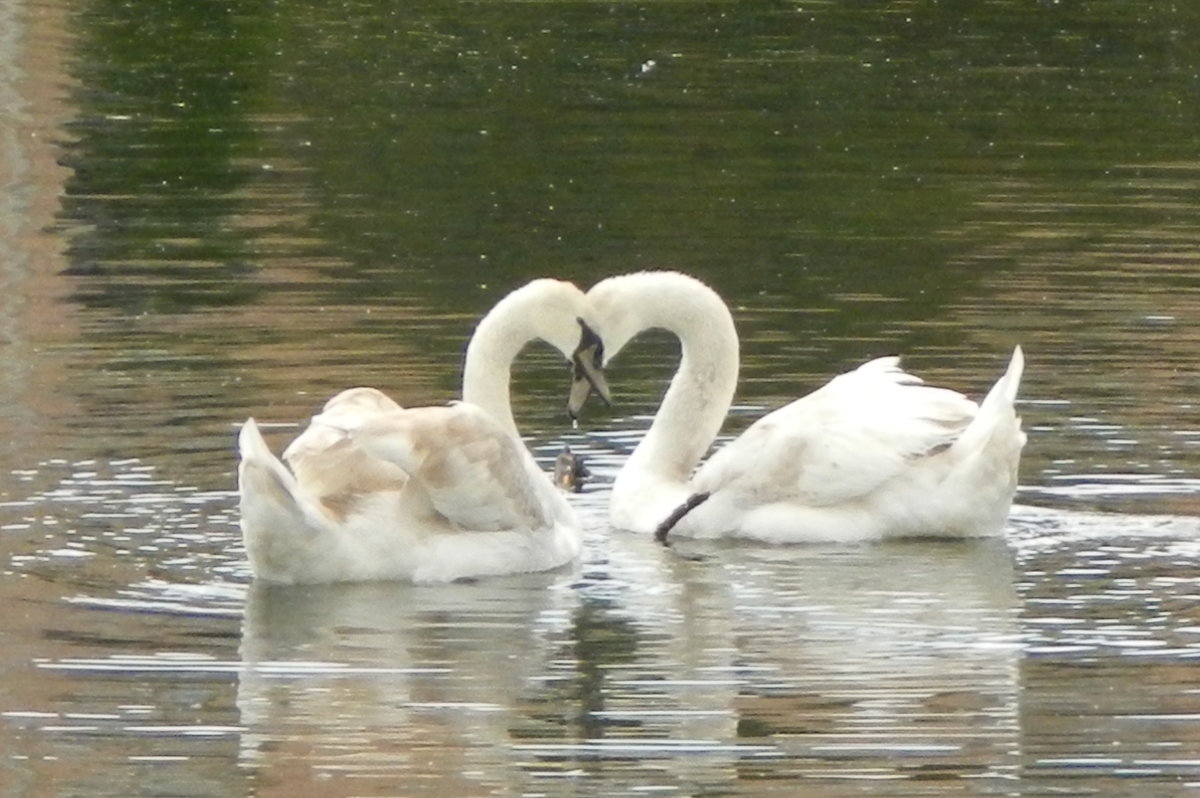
(620, 307)
(588, 360)
(614, 315)
(553, 308)
(544, 309)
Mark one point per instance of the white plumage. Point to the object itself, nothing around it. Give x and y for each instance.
(875, 453)
(428, 494)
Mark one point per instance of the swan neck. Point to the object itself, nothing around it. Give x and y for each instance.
(487, 369)
(699, 395)
(691, 414)
(544, 309)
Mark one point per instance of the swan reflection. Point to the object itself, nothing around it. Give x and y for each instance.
(654, 667)
(383, 680)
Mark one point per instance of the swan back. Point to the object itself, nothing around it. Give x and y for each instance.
(874, 453)
(542, 309)
(473, 473)
(474, 504)
(328, 466)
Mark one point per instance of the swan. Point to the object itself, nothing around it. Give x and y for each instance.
(875, 453)
(430, 494)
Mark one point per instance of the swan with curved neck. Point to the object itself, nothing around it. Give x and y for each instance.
(875, 453)
(547, 310)
(428, 494)
(655, 478)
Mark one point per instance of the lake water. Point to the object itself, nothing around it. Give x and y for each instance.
(210, 210)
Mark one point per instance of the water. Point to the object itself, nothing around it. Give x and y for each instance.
(208, 212)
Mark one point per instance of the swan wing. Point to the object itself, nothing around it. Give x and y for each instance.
(842, 441)
(267, 489)
(328, 465)
(465, 465)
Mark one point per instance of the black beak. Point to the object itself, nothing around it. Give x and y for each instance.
(589, 373)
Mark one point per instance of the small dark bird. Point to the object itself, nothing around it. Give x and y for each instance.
(569, 471)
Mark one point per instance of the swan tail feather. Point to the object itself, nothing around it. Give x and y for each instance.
(265, 487)
(251, 444)
(273, 506)
(1005, 389)
(996, 426)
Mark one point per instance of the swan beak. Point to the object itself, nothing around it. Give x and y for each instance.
(588, 375)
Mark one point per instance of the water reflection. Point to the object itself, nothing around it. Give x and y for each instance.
(651, 669)
(701, 668)
(391, 684)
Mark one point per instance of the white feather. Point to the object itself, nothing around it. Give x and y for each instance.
(428, 494)
(874, 453)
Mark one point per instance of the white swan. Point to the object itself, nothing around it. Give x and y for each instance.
(429, 494)
(874, 453)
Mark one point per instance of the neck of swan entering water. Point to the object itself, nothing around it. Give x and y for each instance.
(694, 406)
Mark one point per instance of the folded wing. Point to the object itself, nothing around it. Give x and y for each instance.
(466, 466)
(328, 466)
(842, 441)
